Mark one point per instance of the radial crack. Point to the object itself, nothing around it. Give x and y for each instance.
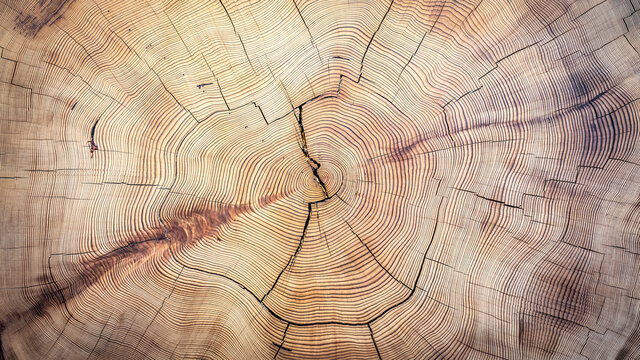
(305, 150)
(374, 341)
(280, 347)
(293, 257)
(374, 257)
(372, 37)
(238, 35)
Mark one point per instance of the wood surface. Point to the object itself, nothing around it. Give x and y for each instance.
(329, 179)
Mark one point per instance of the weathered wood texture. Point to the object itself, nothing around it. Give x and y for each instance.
(320, 179)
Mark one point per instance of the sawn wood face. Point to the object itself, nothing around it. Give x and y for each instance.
(336, 179)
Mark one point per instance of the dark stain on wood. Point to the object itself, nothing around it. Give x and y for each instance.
(34, 16)
(561, 299)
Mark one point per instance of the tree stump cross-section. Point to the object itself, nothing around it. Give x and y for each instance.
(321, 179)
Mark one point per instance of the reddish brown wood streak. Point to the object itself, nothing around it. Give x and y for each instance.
(181, 233)
(198, 225)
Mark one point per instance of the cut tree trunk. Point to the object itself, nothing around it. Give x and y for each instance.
(320, 179)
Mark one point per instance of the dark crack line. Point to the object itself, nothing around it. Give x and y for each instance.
(173, 287)
(341, 199)
(421, 41)
(446, 124)
(324, 236)
(305, 150)
(411, 58)
(60, 292)
(374, 341)
(169, 92)
(261, 113)
(238, 35)
(341, 323)
(309, 207)
(292, 259)
(438, 353)
(309, 31)
(315, 165)
(424, 259)
(100, 336)
(284, 335)
(217, 82)
(93, 129)
(498, 202)
(46, 355)
(178, 33)
(326, 95)
(221, 94)
(302, 18)
(517, 51)
(374, 257)
(373, 36)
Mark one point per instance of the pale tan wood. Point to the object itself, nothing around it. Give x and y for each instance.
(319, 179)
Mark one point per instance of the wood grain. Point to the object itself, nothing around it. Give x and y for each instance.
(339, 179)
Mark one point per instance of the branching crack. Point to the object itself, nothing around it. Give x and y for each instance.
(305, 150)
(314, 167)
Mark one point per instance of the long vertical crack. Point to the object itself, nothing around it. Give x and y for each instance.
(238, 35)
(281, 346)
(374, 341)
(293, 257)
(371, 40)
(314, 167)
(305, 150)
